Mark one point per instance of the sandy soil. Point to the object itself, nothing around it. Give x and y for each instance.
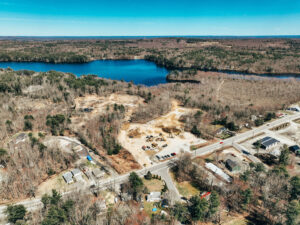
(133, 136)
(29, 105)
(98, 104)
(33, 88)
(292, 133)
(56, 182)
(90, 107)
(65, 144)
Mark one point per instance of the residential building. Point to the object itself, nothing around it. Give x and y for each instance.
(68, 177)
(77, 174)
(221, 130)
(232, 165)
(154, 197)
(98, 173)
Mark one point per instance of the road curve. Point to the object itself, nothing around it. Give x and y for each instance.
(34, 204)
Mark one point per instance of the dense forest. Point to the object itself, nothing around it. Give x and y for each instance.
(255, 56)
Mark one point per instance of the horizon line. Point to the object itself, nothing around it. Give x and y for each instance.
(149, 36)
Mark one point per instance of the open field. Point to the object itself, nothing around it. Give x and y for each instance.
(154, 184)
(185, 188)
(292, 133)
(94, 105)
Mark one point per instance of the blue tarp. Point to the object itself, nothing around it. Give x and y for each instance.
(154, 209)
(89, 158)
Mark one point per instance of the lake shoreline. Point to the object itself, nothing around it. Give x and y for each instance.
(167, 77)
(135, 70)
(171, 68)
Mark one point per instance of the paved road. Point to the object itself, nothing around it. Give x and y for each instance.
(245, 135)
(33, 204)
(165, 175)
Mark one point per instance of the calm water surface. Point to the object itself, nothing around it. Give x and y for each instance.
(138, 71)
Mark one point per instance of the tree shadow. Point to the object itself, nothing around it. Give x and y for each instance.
(256, 219)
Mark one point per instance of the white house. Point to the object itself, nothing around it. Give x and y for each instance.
(154, 197)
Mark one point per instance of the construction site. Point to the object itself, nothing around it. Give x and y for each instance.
(158, 139)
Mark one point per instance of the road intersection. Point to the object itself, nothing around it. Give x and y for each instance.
(34, 204)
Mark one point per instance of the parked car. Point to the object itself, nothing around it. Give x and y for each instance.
(157, 157)
(246, 152)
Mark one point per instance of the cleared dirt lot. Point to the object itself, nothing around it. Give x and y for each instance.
(292, 133)
(93, 105)
(89, 108)
(160, 136)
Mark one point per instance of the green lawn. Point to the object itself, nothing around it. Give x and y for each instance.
(153, 184)
(186, 189)
(148, 206)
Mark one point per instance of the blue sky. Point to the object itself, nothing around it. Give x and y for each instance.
(152, 17)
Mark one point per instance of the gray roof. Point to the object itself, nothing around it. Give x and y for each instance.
(218, 171)
(68, 177)
(98, 173)
(267, 141)
(231, 163)
(76, 172)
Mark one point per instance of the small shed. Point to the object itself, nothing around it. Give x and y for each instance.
(98, 173)
(232, 165)
(68, 177)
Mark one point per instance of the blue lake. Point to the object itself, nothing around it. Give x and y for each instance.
(138, 71)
